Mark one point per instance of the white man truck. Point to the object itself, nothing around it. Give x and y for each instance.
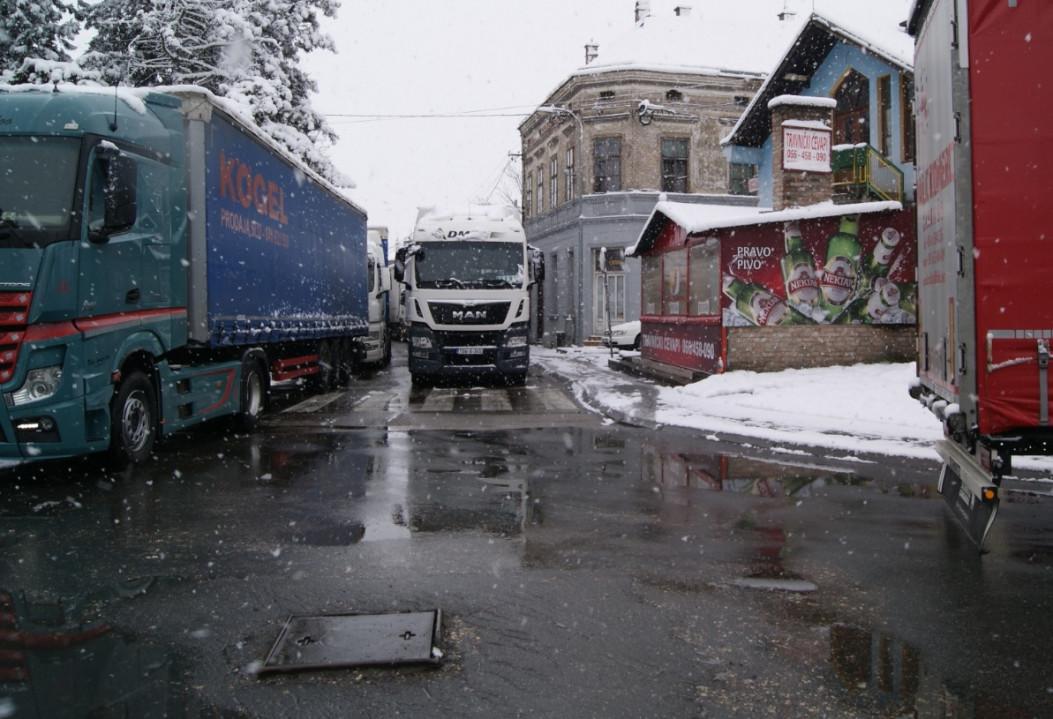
(985, 331)
(467, 279)
(376, 346)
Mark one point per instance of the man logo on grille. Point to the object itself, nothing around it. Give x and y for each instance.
(465, 315)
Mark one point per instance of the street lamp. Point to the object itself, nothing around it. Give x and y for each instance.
(565, 111)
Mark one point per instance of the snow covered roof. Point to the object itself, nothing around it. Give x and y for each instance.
(714, 40)
(696, 218)
(877, 31)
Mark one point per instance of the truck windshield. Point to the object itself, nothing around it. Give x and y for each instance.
(466, 264)
(37, 180)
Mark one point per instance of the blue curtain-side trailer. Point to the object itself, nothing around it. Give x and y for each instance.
(160, 263)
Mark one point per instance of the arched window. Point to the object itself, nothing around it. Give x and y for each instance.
(852, 114)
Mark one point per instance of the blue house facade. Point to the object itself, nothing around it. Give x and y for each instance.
(873, 141)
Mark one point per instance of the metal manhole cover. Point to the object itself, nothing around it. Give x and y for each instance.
(350, 640)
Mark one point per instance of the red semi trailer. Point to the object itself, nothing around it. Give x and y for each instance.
(984, 108)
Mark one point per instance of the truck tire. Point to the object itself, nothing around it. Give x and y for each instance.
(420, 380)
(325, 379)
(253, 394)
(385, 361)
(516, 380)
(133, 420)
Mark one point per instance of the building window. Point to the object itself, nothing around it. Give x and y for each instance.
(906, 103)
(884, 91)
(852, 114)
(674, 96)
(540, 190)
(568, 175)
(705, 279)
(674, 164)
(528, 197)
(553, 185)
(651, 284)
(740, 175)
(609, 291)
(674, 282)
(607, 95)
(742, 100)
(607, 164)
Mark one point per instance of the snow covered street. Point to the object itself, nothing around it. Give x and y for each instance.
(863, 409)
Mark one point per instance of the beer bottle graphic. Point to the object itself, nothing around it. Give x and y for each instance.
(908, 298)
(841, 270)
(759, 305)
(798, 269)
(881, 259)
(881, 305)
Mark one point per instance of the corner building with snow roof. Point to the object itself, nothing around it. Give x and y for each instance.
(644, 116)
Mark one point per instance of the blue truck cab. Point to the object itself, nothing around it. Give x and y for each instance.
(161, 261)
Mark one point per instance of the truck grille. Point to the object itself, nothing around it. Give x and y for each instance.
(452, 313)
(14, 314)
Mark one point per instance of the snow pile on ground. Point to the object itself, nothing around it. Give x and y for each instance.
(859, 409)
(862, 408)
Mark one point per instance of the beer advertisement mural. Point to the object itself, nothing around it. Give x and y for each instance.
(852, 269)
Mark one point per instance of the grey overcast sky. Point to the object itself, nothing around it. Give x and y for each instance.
(426, 57)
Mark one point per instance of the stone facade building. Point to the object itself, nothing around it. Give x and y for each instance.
(638, 121)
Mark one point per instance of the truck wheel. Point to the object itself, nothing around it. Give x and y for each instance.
(253, 395)
(516, 380)
(385, 361)
(133, 420)
(325, 379)
(420, 380)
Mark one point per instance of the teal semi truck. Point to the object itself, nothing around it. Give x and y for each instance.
(161, 262)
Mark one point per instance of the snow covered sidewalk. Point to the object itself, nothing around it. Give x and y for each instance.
(859, 409)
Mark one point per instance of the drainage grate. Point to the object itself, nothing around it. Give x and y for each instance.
(352, 640)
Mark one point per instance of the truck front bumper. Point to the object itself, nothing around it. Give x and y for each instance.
(441, 353)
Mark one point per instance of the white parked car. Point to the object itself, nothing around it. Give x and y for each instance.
(626, 335)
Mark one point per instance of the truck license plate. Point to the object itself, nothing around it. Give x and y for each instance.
(469, 350)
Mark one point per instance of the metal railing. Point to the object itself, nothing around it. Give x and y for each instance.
(861, 171)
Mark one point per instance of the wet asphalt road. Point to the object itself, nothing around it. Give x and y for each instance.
(585, 569)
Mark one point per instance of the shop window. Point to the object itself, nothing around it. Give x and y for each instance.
(607, 164)
(651, 280)
(674, 282)
(705, 278)
(742, 179)
(674, 164)
(609, 286)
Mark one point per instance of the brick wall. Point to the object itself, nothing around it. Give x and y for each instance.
(768, 349)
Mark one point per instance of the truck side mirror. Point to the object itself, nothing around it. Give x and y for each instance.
(400, 264)
(118, 174)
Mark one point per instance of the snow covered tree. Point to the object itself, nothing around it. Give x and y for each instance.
(246, 50)
(274, 85)
(33, 30)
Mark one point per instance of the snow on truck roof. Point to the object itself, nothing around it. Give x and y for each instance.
(486, 222)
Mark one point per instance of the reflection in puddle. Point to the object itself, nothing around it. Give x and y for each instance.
(55, 662)
(737, 475)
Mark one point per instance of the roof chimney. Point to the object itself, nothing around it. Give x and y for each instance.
(643, 10)
(682, 10)
(787, 13)
(592, 50)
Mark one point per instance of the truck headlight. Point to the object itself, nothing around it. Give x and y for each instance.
(40, 384)
(421, 342)
(516, 341)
